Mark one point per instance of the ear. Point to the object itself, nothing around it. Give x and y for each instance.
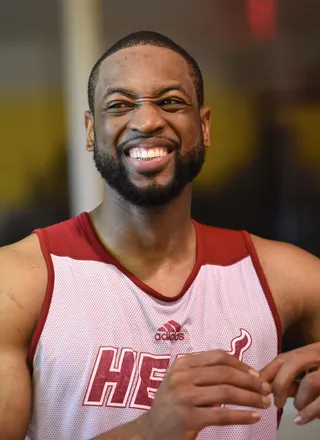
(205, 116)
(89, 123)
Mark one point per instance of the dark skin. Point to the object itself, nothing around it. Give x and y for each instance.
(158, 245)
(144, 241)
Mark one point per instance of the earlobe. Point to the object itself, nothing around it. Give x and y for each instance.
(90, 141)
(205, 114)
(206, 140)
(89, 123)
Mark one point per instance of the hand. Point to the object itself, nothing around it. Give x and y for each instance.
(191, 395)
(282, 373)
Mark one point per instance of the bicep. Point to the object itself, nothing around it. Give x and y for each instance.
(22, 283)
(15, 386)
(306, 276)
(294, 278)
(15, 394)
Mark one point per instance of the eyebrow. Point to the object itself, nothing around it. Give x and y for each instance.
(132, 95)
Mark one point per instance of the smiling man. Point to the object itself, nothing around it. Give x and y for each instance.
(134, 321)
(148, 131)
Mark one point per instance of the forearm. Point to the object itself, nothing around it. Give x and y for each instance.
(135, 430)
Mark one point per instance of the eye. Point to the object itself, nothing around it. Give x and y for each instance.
(171, 104)
(119, 106)
(171, 101)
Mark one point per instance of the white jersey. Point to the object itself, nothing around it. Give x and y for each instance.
(105, 340)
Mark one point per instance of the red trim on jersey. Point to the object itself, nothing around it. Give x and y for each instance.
(279, 416)
(265, 286)
(47, 299)
(107, 257)
(222, 247)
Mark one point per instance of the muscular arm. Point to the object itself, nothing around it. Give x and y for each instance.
(22, 279)
(294, 278)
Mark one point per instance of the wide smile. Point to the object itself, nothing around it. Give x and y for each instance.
(149, 159)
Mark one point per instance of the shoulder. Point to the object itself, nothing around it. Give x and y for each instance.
(24, 257)
(293, 276)
(23, 282)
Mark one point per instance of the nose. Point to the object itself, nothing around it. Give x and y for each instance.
(146, 119)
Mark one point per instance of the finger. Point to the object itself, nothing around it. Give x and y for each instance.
(224, 374)
(308, 413)
(302, 359)
(293, 363)
(280, 401)
(269, 372)
(225, 416)
(228, 394)
(293, 388)
(308, 390)
(215, 357)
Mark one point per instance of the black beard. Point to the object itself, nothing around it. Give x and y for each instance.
(115, 174)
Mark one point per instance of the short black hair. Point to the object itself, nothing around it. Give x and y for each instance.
(144, 38)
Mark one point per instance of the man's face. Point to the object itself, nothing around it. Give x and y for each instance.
(148, 134)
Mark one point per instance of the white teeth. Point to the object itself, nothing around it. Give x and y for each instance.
(148, 153)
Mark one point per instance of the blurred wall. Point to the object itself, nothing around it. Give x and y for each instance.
(31, 105)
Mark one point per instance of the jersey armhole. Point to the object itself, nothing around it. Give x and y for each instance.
(268, 294)
(265, 286)
(48, 295)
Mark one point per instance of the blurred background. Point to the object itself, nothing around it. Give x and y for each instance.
(261, 64)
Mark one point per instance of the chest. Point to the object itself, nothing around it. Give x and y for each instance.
(97, 313)
(107, 344)
(168, 280)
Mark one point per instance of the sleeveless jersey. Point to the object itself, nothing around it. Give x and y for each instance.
(105, 340)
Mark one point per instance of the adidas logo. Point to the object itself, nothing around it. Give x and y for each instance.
(170, 331)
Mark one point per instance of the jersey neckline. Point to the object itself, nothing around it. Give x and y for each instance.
(106, 257)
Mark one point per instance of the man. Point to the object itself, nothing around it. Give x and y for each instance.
(135, 304)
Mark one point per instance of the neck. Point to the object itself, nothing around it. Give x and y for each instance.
(160, 233)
